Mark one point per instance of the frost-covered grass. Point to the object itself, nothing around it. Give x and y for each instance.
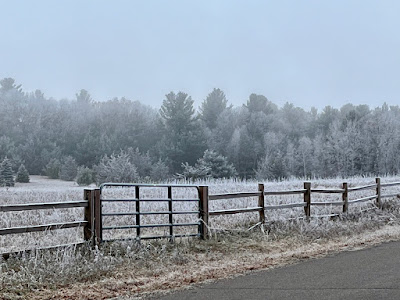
(130, 267)
(43, 190)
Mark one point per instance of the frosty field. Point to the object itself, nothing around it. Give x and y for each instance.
(42, 190)
(133, 269)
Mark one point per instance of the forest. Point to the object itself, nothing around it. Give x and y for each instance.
(59, 138)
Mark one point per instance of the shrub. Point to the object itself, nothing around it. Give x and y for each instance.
(22, 174)
(159, 171)
(212, 165)
(84, 176)
(52, 169)
(69, 168)
(116, 168)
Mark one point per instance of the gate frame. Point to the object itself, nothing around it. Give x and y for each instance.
(94, 195)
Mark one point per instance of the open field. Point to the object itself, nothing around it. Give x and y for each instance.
(129, 268)
(43, 190)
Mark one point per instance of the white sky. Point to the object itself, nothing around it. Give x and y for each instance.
(310, 53)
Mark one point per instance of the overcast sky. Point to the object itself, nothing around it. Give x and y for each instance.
(309, 53)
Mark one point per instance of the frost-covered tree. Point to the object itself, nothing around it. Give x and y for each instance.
(159, 171)
(304, 156)
(142, 162)
(210, 165)
(83, 97)
(7, 177)
(68, 169)
(271, 167)
(116, 168)
(22, 175)
(8, 84)
(52, 169)
(183, 140)
(212, 107)
(195, 172)
(85, 176)
(260, 103)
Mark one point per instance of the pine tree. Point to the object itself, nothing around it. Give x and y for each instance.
(212, 107)
(211, 165)
(52, 169)
(85, 176)
(22, 174)
(7, 173)
(69, 168)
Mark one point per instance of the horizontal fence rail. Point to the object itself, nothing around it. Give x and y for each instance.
(284, 192)
(26, 229)
(150, 200)
(39, 206)
(327, 191)
(233, 195)
(332, 203)
(390, 184)
(234, 211)
(363, 199)
(365, 187)
(93, 201)
(281, 206)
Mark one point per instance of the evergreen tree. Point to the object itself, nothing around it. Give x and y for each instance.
(159, 171)
(85, 176)
(22, 174)
(183, 140)
(68, 169)
(212, 107)
(260, 103)
(52, 169)
(116, 168)
(210, 165)
(7, 177)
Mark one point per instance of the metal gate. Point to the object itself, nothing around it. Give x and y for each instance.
(127, 205)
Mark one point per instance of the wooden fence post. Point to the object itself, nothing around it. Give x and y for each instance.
(345, 197)
(88, 229)
(98, 226)
(170, 215)
(307, 199)
(261, 203)
(378, 192)
(137, 196)
(203, 208)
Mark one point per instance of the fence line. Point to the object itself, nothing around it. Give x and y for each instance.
(92, 204)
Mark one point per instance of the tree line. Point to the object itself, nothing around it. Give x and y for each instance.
(260, 140)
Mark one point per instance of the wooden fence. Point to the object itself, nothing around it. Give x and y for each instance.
(92, 226)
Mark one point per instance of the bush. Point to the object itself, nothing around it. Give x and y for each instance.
(52, 169)
(22, 174)
(116, 168)
(85, 176)
(159, 171)
(210, 165)
(69, 168)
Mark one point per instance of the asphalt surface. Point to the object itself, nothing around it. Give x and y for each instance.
(372, 273)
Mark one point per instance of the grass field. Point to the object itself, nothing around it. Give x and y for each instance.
(43, 190)
(129, 268)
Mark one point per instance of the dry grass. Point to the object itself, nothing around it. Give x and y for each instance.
(129, 269)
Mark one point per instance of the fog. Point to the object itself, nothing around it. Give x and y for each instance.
(313, 53)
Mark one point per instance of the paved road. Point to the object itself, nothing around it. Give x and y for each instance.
(366, 274)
